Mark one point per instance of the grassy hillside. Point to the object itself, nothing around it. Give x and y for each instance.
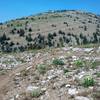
(50, 29)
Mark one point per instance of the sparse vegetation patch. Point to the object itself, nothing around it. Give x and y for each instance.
(88, 81)
(79, 63)
(58, 62)
(42, 68)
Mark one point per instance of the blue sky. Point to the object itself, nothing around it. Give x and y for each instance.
(11, 9)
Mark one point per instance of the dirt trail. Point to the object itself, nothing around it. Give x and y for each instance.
(7, 78)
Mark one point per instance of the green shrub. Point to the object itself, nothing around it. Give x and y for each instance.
(79, 63)
(36, 93)
(41, 68)
(98, 74)
(65, 70)
(58, 62)
(2, 72)
(95, 64)
(24, 72)
(88, 81)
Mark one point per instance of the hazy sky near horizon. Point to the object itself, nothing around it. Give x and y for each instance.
(12, 9)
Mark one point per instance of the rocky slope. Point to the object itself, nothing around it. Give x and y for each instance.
(66, 73)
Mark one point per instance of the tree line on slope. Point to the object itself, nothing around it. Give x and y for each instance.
(51, 40)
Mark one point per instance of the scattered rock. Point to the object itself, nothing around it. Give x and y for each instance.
(31, 88)
(55, 84)
(68, 86)
(85, 92)
(72, 91)
(88, 49)
(81, 98)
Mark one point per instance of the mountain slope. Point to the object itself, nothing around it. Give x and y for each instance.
(50, 29)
